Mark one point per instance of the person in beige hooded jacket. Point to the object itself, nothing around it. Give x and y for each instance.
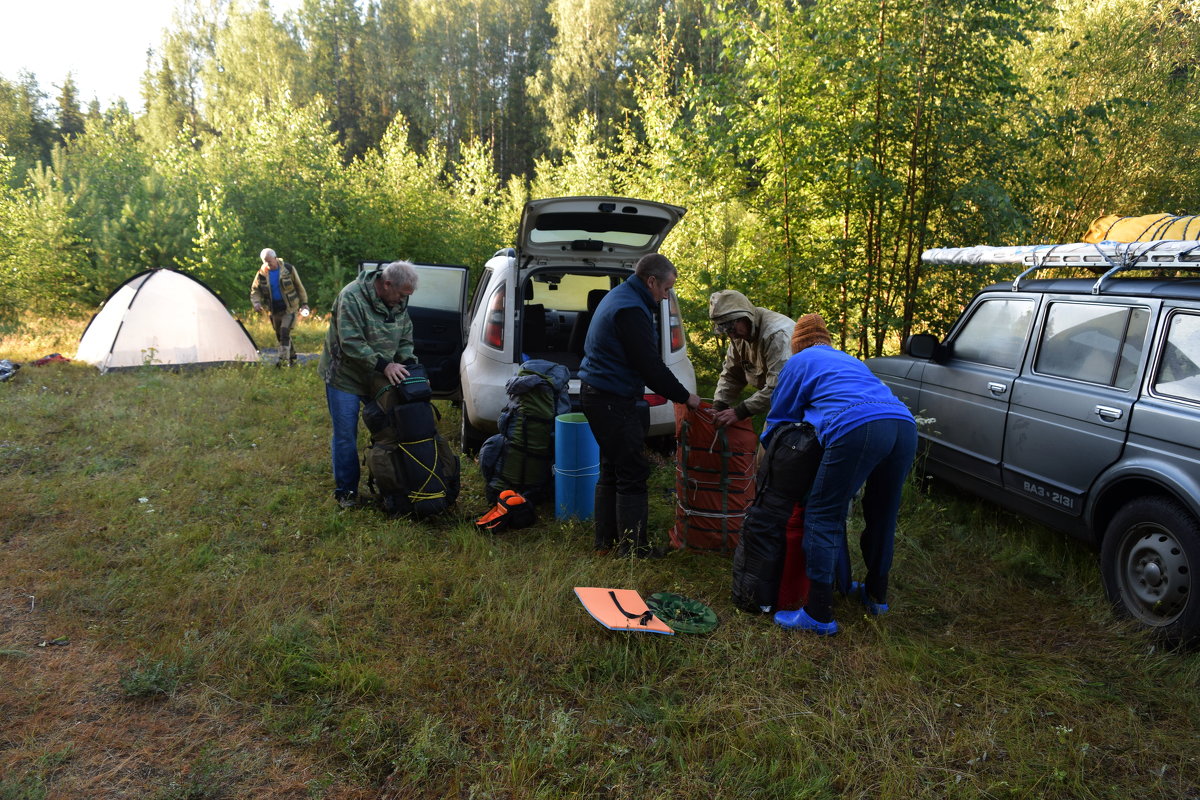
(759, 344)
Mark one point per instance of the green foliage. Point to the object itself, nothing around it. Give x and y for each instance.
(26, 132)
(205, 779)
(27, 788)
(150, 678)
(1117, 85)
(872, 133)
(70, 115)
(42, 255)
(819, 147)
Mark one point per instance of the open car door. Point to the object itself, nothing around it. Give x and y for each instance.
(438, 312)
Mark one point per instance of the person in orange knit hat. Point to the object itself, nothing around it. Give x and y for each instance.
(870, 440)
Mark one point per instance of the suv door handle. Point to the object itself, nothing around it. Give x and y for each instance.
(997, 388)
(1108, 414)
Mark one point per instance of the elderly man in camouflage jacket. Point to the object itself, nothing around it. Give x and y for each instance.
(277, 288)
(759, 344)
(370, 334)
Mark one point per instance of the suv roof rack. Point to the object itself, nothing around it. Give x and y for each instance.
(1116, 256)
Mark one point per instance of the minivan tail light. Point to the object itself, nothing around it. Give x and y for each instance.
(676, 325)
(654, 399)
(493, 326)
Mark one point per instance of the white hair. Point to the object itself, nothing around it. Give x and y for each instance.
(266, 252)
(400, 273)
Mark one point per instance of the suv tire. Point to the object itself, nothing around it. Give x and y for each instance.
(470, 437)
(1147, 557)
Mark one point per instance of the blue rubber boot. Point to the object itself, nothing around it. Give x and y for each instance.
(800, 620)
(859, 590)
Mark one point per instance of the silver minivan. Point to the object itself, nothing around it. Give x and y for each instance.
(536, 301)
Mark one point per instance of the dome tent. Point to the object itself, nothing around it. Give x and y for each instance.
(163, 318)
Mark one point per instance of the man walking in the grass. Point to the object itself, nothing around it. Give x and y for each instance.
(369, 334)
(277, 289)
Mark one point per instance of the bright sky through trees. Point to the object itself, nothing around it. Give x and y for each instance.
(102, 44)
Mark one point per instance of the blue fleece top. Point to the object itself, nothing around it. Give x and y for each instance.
(277, 303)
(832, 391)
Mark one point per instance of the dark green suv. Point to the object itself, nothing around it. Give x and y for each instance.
(1076, 401)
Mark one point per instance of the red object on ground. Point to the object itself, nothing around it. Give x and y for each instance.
(793, 582)
(53, 357)
(714, 479)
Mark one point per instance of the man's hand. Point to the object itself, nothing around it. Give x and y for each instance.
(395, 373)
(258, 307)
(724, 418)
(693, 401)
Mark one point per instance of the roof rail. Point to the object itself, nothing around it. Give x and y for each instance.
(1113, 257)
(1145, 259)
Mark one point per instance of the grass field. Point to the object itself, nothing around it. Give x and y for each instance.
(186, 614)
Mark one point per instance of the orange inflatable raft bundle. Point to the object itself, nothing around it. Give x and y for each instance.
(714, 479)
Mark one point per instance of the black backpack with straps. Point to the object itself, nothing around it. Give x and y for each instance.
(410, 465)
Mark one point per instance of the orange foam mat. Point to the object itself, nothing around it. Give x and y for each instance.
(620, 610)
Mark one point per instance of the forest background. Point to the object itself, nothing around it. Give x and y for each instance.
(818, 146)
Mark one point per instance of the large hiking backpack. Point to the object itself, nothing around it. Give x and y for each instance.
(410, 465)
(521, 455)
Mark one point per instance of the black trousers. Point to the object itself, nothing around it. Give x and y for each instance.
(620, 426)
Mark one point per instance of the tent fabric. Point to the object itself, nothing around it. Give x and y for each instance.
(1146, 228)
(714, 479)
(164, 318)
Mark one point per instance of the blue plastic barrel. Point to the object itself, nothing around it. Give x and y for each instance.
(576, 467)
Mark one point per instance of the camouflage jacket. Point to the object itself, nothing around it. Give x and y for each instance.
(364, 336)
(294, 295)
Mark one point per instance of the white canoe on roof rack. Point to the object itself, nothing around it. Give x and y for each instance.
(1165, 252)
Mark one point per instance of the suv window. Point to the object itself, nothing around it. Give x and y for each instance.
(1179, 370)
(996, 332)
(1092, 343)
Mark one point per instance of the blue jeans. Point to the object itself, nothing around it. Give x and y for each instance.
(343, 412)
(878, 454)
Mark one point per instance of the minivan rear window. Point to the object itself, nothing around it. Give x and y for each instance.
(621, 229)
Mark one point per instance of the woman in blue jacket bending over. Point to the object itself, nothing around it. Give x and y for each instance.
(869, 438)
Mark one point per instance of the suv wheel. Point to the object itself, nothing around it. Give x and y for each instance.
(1147, 556)
(470, 437)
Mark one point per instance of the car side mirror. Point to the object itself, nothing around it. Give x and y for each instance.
(923, 345)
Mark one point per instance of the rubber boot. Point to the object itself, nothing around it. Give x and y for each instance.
(859, 592)
(874, 594)
(605, 517)
(817, 614)
(632, 511)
